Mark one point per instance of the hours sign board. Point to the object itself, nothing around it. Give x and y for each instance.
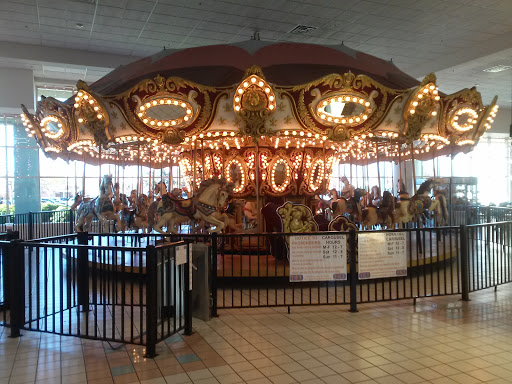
(318, 258)
(381, 255)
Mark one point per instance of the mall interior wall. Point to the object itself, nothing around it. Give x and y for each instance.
(17, 87)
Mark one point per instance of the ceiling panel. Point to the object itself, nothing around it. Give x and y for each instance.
(420, 36)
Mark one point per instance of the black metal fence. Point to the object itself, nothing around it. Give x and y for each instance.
(130, 288)
(121, 293)
(254, 271)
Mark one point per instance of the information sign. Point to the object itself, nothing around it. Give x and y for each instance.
(381, 254)
(318, 258)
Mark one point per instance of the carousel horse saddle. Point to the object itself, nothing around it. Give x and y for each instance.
(419, 204)
(180, 206)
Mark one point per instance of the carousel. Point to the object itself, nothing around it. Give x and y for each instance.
(258, 127)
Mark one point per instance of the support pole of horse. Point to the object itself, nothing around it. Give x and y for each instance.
(400, 180)
(413, 168)
(151, 167)
(378, 167)
(99, 160)
(202, 161)
(325, 173)
(83, 178)
(258, 196)
(194, 170)
(138, 171)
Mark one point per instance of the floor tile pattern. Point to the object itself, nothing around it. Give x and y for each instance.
(438, 340)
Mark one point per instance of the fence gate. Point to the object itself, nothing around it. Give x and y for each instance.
(133, 295)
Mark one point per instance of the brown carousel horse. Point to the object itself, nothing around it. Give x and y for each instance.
(206, 205)
(414, 209)
(350, 206)
(134, 215)
(381, 213)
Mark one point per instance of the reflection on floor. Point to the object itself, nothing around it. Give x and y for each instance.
(440, 340)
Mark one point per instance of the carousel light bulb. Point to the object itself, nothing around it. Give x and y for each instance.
(168, 101)
(91, 101)
(237, 108)
(86, 97)
(434, 113)
(412, 111)
(175, 102)
(99, 115)
(80, 94)
(75, 105)
(420, 96)
(271, 106)
(240, 91)
(253, 80)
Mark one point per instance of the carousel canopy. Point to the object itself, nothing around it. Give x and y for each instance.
(274, 116)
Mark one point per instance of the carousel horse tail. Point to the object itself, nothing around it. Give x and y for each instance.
(444, 207)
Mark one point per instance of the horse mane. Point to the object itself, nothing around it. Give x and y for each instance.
(425, 187)
(387, 199)
(205, 184)
(358, 193)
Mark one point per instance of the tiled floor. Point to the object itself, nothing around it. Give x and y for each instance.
(440, 340)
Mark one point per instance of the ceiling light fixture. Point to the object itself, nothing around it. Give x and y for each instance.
(303, 29)
(497, 68)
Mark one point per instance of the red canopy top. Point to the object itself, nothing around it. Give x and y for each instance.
(285, 64)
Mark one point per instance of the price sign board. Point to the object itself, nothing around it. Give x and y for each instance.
(181, 254)
(382, 254)
(318, 258)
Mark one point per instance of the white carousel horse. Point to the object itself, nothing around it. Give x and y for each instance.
(206, 205)
(102, 207)
(414, 209)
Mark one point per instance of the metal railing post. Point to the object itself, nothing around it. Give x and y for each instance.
(83, 268)
(353, 270)
(213, 276)
(151, 301)
(187, 295)
(30, 226)
(71, 221)
(464, 262)
(15, 275)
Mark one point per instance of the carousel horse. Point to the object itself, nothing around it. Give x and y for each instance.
(135, 215)
(383, 214)
(350, 206)
(206, 205)
(104, 207)
(159, 190)
(100, 207)
(139, 216)
(78, 200)
(414, 209)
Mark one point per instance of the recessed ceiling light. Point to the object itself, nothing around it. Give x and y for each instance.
(497, 68)
(79, 25)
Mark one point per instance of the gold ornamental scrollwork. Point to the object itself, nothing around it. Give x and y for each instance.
(254, 101)
(303, 96)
